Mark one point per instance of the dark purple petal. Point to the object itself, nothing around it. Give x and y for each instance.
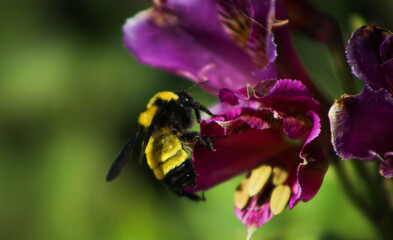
(363, 53)
(176, 38)
(310, 174)
(235, 154)
(362, 124)
(386, 49)
(387, 68)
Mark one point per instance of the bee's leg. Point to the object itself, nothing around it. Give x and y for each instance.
(191, 196)
(199, 107)
(192, 136)
(195, 197)
(197, 115)
(191, 103)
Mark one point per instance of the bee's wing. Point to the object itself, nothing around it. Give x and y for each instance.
(123, 157)
(150, 130)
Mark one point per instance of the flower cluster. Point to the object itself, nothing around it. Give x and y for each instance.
(362, 125)
(267, 124)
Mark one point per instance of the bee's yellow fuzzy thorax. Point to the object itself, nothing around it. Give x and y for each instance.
(147, 116)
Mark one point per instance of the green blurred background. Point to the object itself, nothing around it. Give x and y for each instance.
(69, 98)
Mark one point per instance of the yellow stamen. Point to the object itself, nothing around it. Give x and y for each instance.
(279, 198)
(241, 195)
(280, 175)
(258, 179)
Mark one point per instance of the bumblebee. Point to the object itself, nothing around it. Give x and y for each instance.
(167, 122)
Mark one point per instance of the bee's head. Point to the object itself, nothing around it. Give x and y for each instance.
(184, 97)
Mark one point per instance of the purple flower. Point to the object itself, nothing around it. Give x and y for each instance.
(231, 43)
(271, 132)
(266, 127)
(362, 125)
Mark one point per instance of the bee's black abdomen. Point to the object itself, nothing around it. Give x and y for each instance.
(181, 177)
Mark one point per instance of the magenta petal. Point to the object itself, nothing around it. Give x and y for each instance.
(254, 215)
(363, 53)
(249, 23)
(261, 40)
(228, 97)
(187, 38)
(269, 72)
(288, 96)
(362, 124)
(296, 128)
(316, 129)
(235, 154)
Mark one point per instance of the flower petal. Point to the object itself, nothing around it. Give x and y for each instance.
(174, 38)
(256, 215)
(310, 174)
(386, 49)
(228, 97)
(288, 96)
(387, 68)
(249, 23)
(363, 53)
(235, 154)
(261, 41)
(362, 124)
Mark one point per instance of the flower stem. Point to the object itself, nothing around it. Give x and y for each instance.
(379, 212)
(350, 190)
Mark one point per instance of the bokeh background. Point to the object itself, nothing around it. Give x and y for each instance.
(70, 95)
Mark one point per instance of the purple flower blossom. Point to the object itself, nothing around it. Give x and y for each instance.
(231, 43)
(271, 132)
(362, 125)
(196, 39)
(267, 127)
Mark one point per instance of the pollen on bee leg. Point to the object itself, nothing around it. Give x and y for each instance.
(241, 195)
(280, 175)
(258, 179)
(279, 198)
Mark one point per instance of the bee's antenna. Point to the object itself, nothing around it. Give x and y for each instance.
(195, 85)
